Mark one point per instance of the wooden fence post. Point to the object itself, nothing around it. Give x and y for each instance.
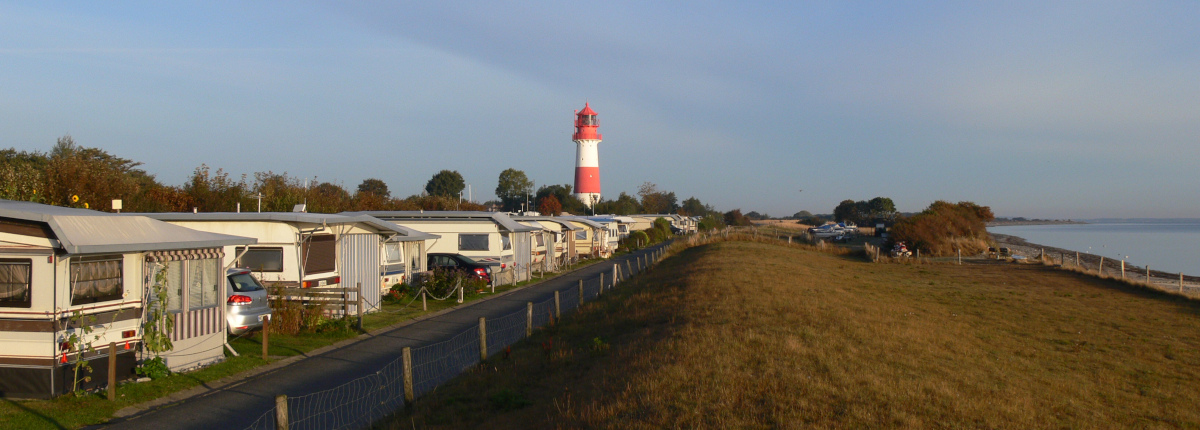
(1100, 268)
(602, 281)
(265, 330)
(1181, 282)
(482, 339)
(1122, 269)
(425, 307)
(629, 267)
(345, 303)
(529, 318)
(557, 309)
(112, 371)
(360, 306)
(281, 412)
(406, 355)
(959, 256)
(581, 293)
(614, 275)
(1076, 258)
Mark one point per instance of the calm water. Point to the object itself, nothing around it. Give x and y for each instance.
(1170, 247)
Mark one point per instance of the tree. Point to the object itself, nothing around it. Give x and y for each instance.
(653, 200)
(89, 177)
(882, 207)
(802, 215)
(693, 207)
(214, 191)
(330, 198)
(550, 206)
(735, 218)
(847, 210)
(569, 203)
(513, 189)
(280, 192)
(447, 183)
(374, 186)
(625, 204)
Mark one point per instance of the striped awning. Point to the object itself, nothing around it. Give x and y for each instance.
(185, 254)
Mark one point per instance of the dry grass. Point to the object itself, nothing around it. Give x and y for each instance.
(752, 335)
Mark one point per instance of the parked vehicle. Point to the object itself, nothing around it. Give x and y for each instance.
(247, 302)
(460, 263)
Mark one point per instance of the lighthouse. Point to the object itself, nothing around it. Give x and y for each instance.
(587, 159)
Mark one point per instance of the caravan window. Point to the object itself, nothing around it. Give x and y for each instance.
(174, 280)
(261, 259)
(202, 283)
(581, 235)
(197, 280)
(320, 254)
(505, 242)
(391, 252)
(15, 283)
(472, 242)
(96, 279)
(540, 240)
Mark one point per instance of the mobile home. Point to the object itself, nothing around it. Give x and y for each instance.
(309, 250)
(561, 249)
(66, 272)
(491, 238)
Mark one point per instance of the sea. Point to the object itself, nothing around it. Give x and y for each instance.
(1167, 245)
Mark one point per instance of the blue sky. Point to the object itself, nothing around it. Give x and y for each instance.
(1037, 109)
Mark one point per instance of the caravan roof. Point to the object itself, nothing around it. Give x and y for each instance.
(399, 233)
(84, 231)
(501, 219)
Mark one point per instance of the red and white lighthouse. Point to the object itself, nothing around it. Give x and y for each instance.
(587, 159)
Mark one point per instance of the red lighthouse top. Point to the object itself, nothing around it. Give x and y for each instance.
(586, 124)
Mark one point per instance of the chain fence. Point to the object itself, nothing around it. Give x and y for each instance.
(361, 402)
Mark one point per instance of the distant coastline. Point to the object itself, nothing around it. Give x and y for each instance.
(1022, 221)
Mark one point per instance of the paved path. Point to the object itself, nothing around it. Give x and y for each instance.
(237, 405)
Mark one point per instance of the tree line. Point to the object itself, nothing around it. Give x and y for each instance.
(77, 176)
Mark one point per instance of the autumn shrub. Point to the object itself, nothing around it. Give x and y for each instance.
(944, 228)
(442, 282)
(635, 240)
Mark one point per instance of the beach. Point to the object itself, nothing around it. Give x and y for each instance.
(1020, 246)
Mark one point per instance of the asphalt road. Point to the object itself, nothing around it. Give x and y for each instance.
(238, 405)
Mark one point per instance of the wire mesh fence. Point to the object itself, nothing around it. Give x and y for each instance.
(361, 402)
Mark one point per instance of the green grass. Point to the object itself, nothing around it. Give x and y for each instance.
(752, 335)
(70, 411)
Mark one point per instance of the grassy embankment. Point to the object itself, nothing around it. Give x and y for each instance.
(70, 411)
(752, 335)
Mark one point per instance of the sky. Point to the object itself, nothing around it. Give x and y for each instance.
(1037, 109)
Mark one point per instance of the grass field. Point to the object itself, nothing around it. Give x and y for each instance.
(753, 335)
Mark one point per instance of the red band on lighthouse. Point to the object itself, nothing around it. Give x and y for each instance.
(587, 180)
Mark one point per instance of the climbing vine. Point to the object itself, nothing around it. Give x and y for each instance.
(156, 331)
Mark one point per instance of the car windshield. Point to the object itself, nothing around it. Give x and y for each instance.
(243, 282)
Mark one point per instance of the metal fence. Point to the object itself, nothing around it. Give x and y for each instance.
(361, 402)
